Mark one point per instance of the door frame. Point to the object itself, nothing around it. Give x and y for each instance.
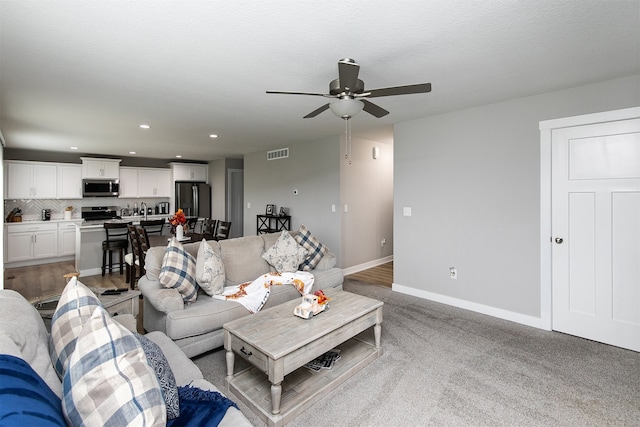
(546, 134)
(230, 174)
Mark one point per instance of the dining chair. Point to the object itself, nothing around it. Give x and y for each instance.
(135, 271)
(222, 232)
(209, 228)
(143, 239)
(117, 239)
(191, 222)
(154, 226)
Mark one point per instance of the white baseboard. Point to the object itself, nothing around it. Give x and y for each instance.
(93, 272)
(366, 265)
(523, 319)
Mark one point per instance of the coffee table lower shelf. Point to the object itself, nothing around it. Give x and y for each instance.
(302, 387)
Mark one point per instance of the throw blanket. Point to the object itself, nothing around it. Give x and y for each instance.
(200, 407)
(253, 295)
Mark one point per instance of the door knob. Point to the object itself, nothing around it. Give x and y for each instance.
(559, 240)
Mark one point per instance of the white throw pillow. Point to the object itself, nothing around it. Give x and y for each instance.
(209, 269)
(286, 254)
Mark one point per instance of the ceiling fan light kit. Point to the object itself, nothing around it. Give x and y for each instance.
(346, 108)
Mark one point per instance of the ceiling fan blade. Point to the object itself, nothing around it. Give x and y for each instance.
(373, 109)
(299, 93)
(316, 111)
(348, 74)
(400, 90)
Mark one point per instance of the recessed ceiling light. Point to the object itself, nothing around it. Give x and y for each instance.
(145, 127)
(132, 152)
(178, 156)
(213, 135)
(73, 148)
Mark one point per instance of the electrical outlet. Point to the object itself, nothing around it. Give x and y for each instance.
(383, 242)
(453, 272)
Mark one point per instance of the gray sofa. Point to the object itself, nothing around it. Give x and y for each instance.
(197, 328)
(23, 335)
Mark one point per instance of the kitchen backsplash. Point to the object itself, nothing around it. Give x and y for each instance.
(32, 209)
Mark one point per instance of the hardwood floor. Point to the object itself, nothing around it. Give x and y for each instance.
(39, 282)
(381, 275)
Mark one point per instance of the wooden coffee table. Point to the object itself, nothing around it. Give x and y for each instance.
(277, 387)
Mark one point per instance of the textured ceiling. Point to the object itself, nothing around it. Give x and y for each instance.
(87, 73)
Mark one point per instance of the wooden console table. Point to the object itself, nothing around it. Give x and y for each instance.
(272, 223)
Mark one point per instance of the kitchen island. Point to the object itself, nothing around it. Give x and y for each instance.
(89, 238)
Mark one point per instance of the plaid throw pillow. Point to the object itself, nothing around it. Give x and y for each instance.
(75, 307)
(108, 381)
(315, 249)
(178, 271)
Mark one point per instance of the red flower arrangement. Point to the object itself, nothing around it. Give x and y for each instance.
(178, 219)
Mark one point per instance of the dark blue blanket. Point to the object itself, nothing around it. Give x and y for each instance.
(200, 407)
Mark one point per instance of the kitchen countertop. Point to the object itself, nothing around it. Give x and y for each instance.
(90, 224)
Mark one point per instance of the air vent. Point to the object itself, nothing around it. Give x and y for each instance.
(281, 153)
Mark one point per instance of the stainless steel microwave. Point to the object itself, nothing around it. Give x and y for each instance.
(100, 187)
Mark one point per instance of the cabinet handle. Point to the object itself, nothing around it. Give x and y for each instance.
(242, 350)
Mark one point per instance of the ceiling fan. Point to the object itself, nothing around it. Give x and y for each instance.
(350, 92)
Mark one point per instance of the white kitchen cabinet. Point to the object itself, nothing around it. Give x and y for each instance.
(144, 182)
(69, 181)
(128, 182)
(66, 238)
(31, 241)
(31, 180)
(100, 168)
(190, 172)
(154, 182)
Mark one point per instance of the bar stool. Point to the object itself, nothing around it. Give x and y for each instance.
(117, 240)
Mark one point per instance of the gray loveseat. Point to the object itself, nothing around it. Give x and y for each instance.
(23, 335)
(197, 327)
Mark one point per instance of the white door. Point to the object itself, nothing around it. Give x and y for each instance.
(596, 232)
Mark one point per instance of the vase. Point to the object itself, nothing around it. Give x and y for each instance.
(179, 232)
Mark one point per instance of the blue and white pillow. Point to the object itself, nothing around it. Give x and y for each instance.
(75, 307)
(160, 364)
(315, 249)
(178, 271)
(108, 381)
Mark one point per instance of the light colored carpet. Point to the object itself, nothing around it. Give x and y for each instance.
(444, 366)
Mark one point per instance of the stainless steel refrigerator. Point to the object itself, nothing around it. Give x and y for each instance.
(194, 198)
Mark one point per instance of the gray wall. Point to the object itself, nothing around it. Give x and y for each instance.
(472, 180)
(312, 168)
(367, 190)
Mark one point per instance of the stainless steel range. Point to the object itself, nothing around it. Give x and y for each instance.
(99, 213)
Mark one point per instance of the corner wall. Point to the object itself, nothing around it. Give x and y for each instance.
(472, 180)
(367, 190)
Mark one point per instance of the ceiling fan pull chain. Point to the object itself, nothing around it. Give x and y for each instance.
(347, 131)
